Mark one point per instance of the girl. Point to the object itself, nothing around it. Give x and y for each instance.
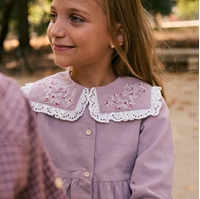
(104, 121)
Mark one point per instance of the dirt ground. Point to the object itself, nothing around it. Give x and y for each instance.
(183, 100)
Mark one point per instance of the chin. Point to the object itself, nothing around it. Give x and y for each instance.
(61, 64)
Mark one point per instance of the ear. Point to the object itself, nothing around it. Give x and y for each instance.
(119, 34)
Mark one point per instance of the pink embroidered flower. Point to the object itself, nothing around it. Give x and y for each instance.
(54, 93)
(125, 99)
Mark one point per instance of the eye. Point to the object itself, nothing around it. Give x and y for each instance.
(76, 19)
(53, 17)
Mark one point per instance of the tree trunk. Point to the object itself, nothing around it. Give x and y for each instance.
(23, 25)
(9, 4)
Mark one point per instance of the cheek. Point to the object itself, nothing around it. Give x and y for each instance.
(102, 36)
(48, 32)
(80, 39)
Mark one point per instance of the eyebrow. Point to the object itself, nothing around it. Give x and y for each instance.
(77, 10)
(73, 10)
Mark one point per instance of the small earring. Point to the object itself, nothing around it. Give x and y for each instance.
(112, 46)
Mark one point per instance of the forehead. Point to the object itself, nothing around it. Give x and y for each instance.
(91, 7)
(77, 3)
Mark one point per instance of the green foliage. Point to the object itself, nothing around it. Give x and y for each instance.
(39, 16)
(188, 9)
(158, 6)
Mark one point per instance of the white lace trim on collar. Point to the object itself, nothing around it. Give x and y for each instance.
(125, 115)
(89, 97)
(61, 113)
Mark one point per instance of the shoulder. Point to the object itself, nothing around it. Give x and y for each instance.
(52, 82)
(11, 96)
(127, 98)
(14, 111)
(8, 86)
(54, 90)
(129, 93)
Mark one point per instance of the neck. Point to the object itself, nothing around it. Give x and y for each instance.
(92, 78)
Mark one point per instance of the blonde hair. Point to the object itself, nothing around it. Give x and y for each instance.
(137, 56)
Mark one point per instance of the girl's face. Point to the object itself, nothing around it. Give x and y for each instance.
(78, 34)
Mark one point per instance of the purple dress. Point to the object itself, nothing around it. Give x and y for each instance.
(109, 142)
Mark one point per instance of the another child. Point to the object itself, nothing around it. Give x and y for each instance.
(26, 171)
(105, 122)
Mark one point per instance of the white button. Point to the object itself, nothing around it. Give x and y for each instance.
(86, 174)
(58, 183)
(88, 132)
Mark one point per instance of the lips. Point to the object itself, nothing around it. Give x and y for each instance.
(61, 47)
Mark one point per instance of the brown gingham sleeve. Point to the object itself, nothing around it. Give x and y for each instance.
(26, 171)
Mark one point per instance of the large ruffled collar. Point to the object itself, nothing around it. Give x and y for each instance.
(125, 99)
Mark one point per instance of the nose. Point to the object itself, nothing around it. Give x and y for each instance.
(56, 29)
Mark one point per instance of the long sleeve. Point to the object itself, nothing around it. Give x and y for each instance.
(153, 171)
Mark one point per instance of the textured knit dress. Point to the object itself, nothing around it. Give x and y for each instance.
(109, 142)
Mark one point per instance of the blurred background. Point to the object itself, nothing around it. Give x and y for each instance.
(25, 56)
(23, 40)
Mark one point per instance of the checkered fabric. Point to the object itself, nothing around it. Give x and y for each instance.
(26, 171)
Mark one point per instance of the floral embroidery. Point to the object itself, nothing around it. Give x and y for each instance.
(52, 88)
(126, 99)
(54, 93)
